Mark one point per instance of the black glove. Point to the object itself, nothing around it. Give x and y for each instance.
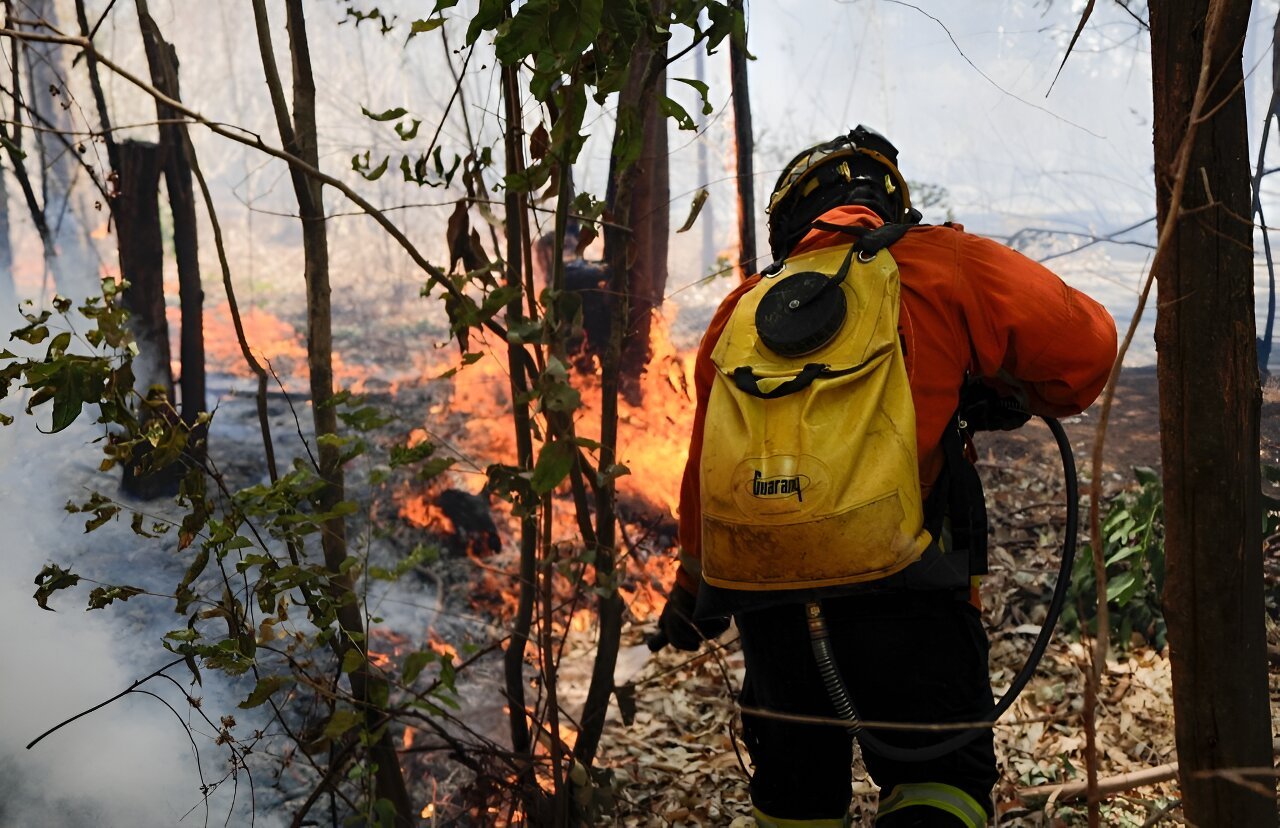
(676, 623)
(985, 409)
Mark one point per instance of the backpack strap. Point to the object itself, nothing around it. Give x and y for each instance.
(746, 380)
(869, 241)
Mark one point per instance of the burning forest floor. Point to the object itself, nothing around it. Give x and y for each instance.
(679, 760)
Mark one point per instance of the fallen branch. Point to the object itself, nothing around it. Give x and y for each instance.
(1066, 791)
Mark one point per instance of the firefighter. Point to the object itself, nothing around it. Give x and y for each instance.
(905, 633)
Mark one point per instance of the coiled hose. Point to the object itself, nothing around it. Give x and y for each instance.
(821, 640)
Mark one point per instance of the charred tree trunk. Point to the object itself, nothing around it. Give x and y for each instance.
(142, 262)
(744, 149)
(137, 216)
(163, 64)
(650, 214)
(298, 135)
(1209, 410)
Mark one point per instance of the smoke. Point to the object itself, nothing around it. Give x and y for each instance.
(130, 763)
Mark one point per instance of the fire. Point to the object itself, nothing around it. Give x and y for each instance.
(276, 344)
(653, 436)
(422, 513)
(441, 647)
(652, 444)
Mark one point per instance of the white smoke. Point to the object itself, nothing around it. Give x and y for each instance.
(130, 763)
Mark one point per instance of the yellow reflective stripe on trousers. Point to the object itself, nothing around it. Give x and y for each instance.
(936, 795)
(763, 820)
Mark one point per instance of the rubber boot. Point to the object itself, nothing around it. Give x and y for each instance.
(929, 805)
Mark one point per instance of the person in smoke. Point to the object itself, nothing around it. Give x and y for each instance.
(896, 585)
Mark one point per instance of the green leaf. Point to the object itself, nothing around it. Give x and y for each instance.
(703, 92)
(695, 207)
(529, 179)
(414, 664)
(525, 331)
(671, 109)
(629, 137)
(100, 597)
(574, 26)
(1147, 476)
(488, 16)
(1124, 553)
(555, 460)
(387, 115)
(58, 346)
(341, 721)
(352, 660)
(467, 359)
(263, 690)
(101, 514)
(1119, 585)
(406, 133)
(612, 472)
(51, 579)
(32, 334)
(423, 26)
(435, 467)
(525, 33)
(184, 594)
(376, 172)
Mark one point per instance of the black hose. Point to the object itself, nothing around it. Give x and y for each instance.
(839, 692)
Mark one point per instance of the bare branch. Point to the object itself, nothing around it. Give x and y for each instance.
(435, 275)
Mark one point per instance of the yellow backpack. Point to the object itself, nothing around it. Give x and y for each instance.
(809, 475)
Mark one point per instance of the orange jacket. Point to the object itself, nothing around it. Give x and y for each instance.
(970, 306)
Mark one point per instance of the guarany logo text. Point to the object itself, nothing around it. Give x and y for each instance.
(781, 486)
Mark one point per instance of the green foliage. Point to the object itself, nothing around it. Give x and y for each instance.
(1133, 549)
(246, 567)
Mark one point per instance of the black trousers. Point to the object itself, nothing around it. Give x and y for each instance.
(905, 657)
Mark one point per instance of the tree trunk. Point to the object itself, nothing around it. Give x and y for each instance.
(650, 215)
(1209, 410)
(163, 64)
(744, 148)
(298, 135)
(142, 262)
(513, 659)
(137, 217)
(645, 74)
